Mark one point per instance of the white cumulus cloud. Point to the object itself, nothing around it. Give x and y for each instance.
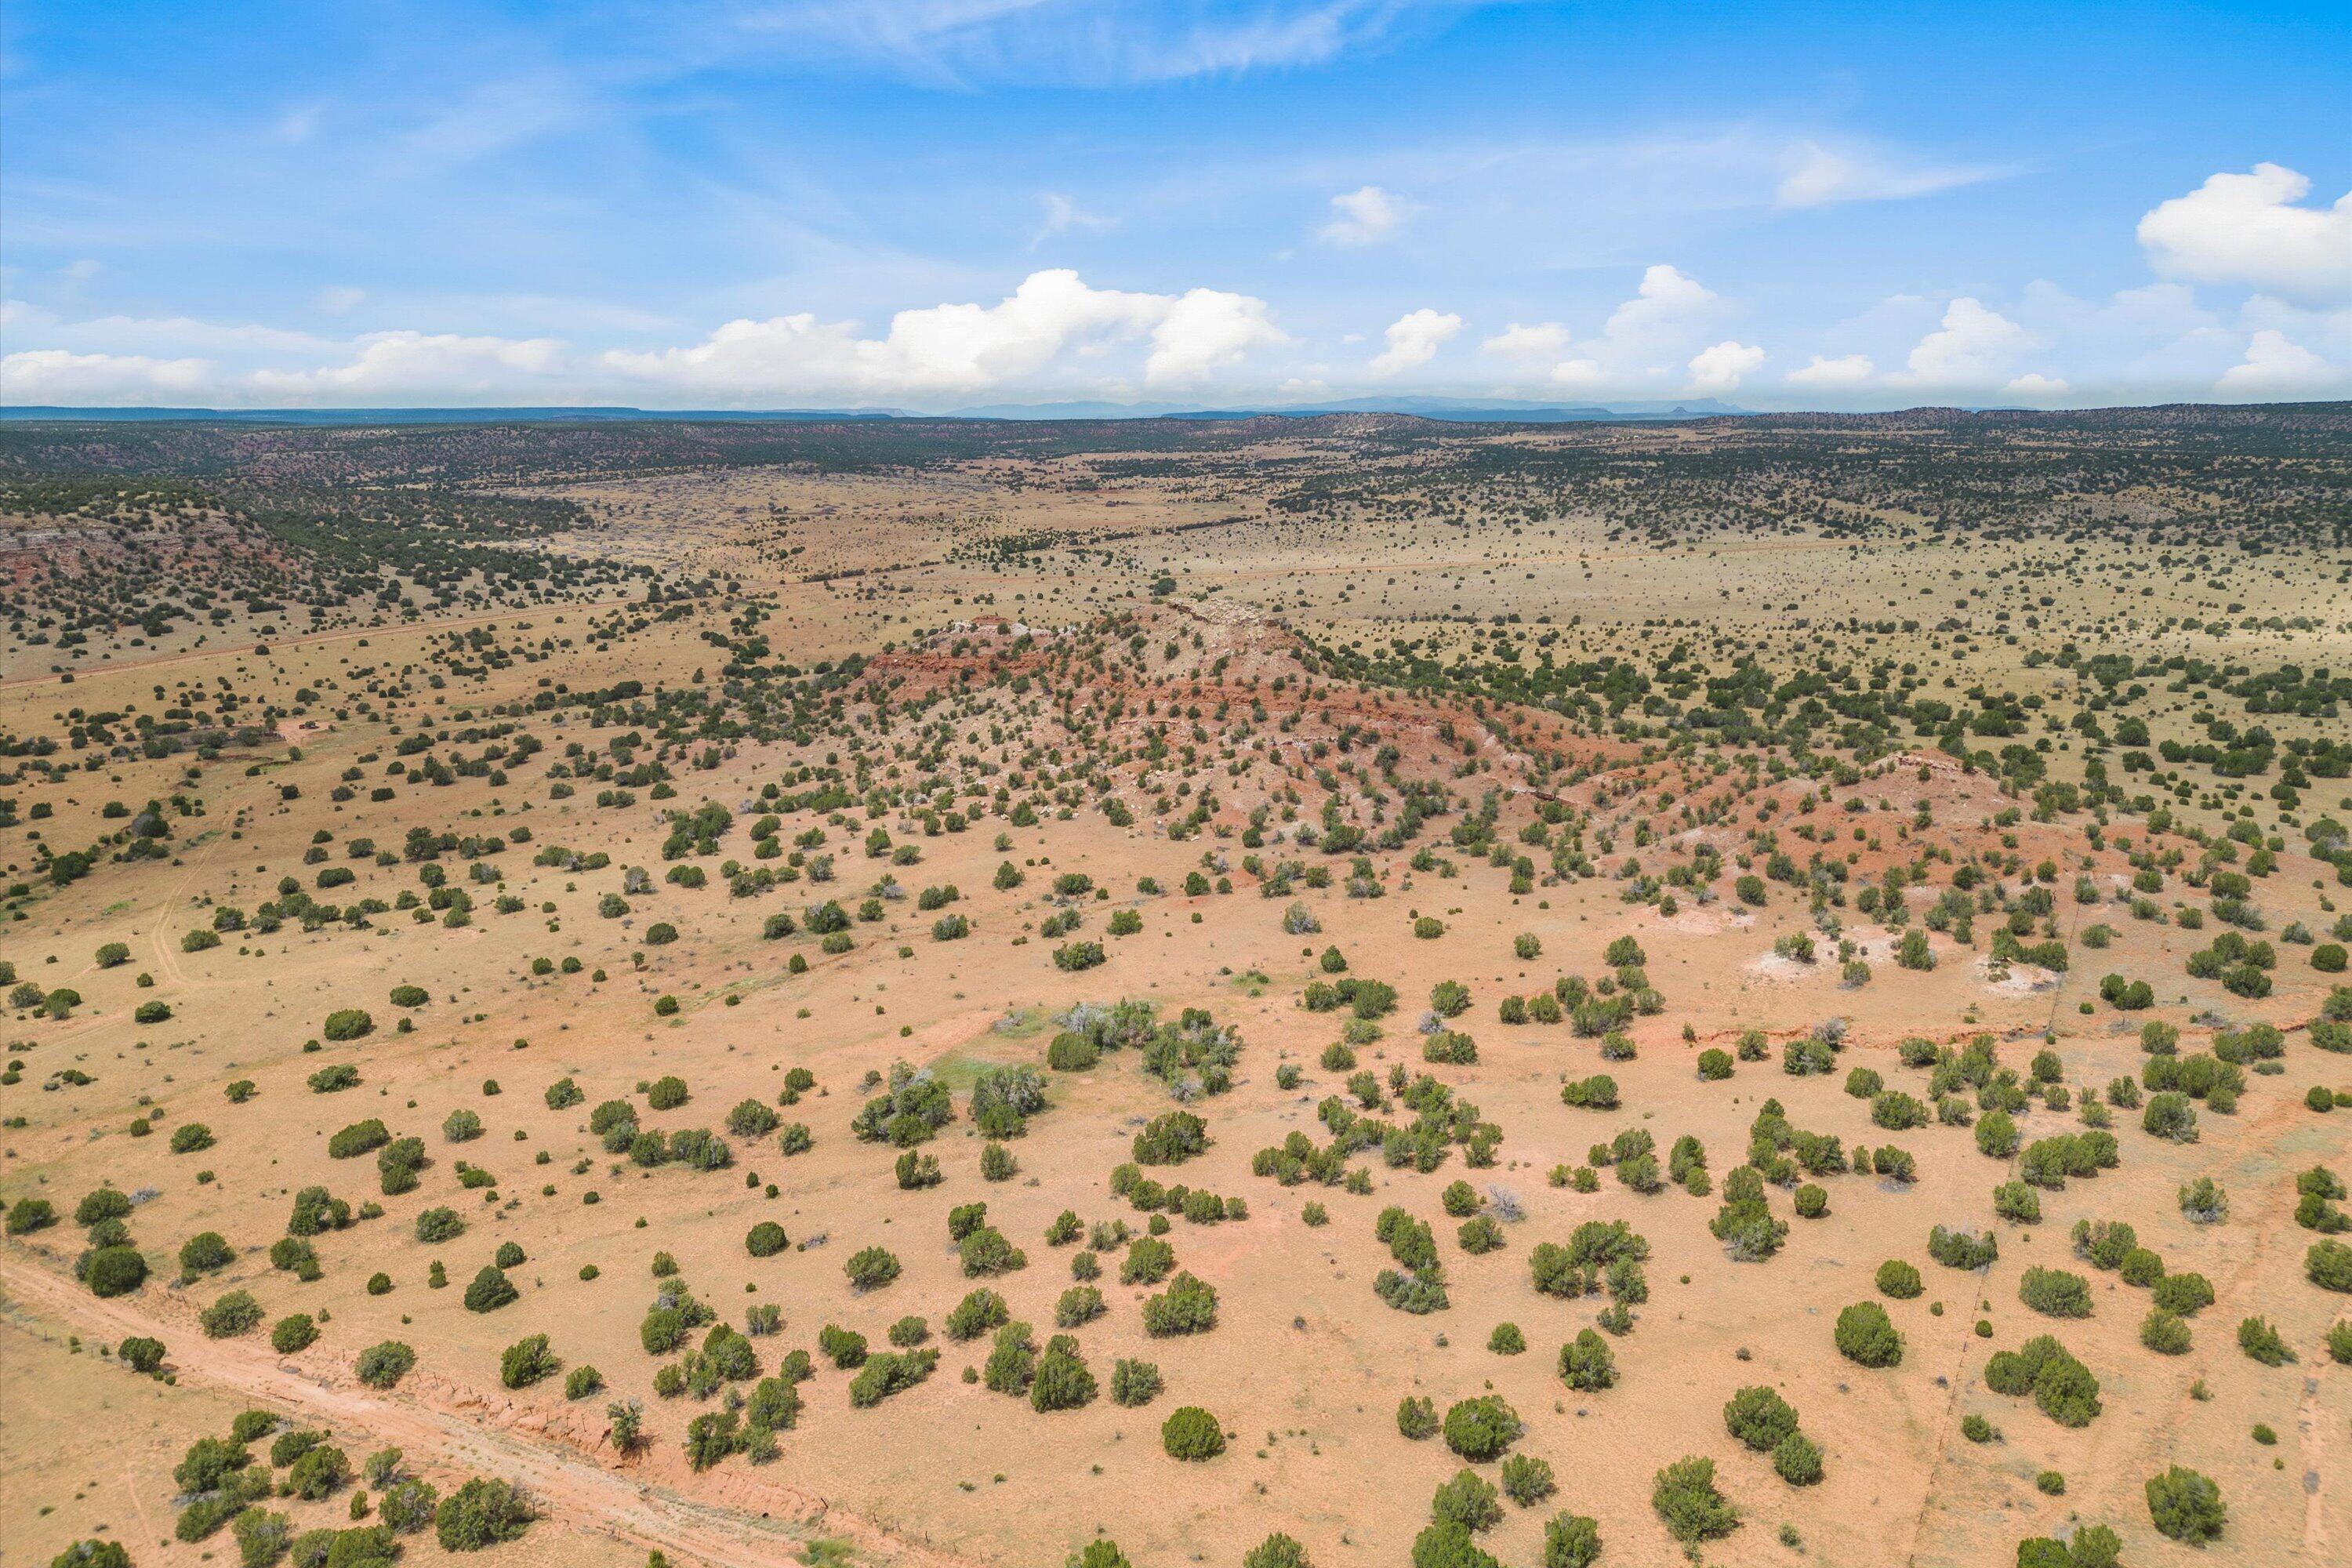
(1846, 370)
(2246, 228)
(1541, 340)
(1642, 343)
(1206, 329)
(959, 348)
(62, 376)
(427, 367)
(2274, 367)
(1666, 301)
(1720, 369)
(1364, 216)
(1036, 336)
(2033, 383)
(1414, 340)
(1975, 346)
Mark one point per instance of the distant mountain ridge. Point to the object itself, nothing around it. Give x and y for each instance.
(438, 416)
(1453, 409)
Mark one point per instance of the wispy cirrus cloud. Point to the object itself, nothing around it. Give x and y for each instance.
(1819, 175)
(1080, 42)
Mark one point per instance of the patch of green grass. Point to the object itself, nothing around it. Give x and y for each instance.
(1023, 1024)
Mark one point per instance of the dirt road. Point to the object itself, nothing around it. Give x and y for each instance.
(739, 1520)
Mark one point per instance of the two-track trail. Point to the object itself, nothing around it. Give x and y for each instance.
(746, 1520)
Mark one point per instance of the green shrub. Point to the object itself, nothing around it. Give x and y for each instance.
(29, 1214)
(1586, 1362)
(483, 1512)
(1528, 1480)
(986, 1251)
(297, 1332)
(1277, 1550)
(2094, 1546)
(1134, 1383)
(382, 1365)
(235, 1312)
(870, 1269)
(2017, 1202)
(1188, 1306)
(490, 1290)
(1899, 1280)
(102, 1203)
(347, 1024)
(1062, 1381)
(2104, 1244)
(1797, 1460)
(1468, 1500)
(2066, 1391)
(527, 1360)
(114, 1270)
(2329, 1264)
(2055, 1292)
(2186, 1506)
(1961, 1248)
(2263, 1342)
(1570, 1541)
(2169, 1116)
(2163, 1332)
(2186, 1293)
(1760, 1417)
(1685, 1496)
(1867, 1337)
(1191, 1433)
(317, 1473)
(397, 1164)
(888, 1373)
(1482, 1429)
(1172, 1139)
(1447, 1545)
(975, 1315)
(1745, 1224)
(210, 1463)
(92, 1554)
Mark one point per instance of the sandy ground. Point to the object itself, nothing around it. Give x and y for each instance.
(1306, 1365)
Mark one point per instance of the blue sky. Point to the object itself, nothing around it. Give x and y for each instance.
(935, 203)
